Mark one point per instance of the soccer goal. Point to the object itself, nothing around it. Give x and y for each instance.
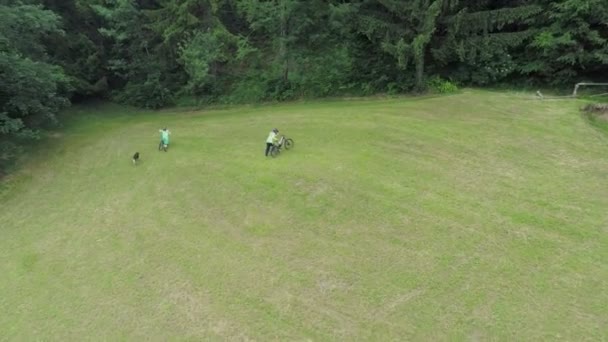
(599, 89)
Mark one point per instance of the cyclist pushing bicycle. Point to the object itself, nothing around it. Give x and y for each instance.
(274, 144)
(272, 140)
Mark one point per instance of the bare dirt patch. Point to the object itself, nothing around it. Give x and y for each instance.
(600, 110)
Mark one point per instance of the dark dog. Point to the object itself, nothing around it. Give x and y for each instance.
(135, 158)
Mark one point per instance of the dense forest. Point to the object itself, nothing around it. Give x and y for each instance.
(156, 53)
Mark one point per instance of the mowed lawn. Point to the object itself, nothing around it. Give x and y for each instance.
(478, 216)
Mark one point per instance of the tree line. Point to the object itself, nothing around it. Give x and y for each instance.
(154, 53)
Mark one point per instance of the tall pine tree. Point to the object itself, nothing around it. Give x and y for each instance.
(478, 41)
(571, 44)
(403, 29)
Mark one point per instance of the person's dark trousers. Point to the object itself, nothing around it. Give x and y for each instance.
(268, 147)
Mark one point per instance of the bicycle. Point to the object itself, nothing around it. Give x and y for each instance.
(283, 142)
(162, 146)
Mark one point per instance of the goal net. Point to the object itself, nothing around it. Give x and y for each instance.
(590, 89)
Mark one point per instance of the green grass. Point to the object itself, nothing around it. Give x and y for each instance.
(478, 216)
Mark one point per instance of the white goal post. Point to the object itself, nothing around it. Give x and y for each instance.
(574, 93)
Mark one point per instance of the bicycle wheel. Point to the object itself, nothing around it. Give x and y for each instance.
(288, 143)
(274, 151)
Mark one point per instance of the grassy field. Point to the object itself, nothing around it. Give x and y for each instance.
(478, 216)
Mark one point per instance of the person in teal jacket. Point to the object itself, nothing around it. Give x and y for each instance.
(273, 138)
(164, 139)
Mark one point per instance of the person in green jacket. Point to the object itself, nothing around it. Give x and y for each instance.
(273, 138)
(164, 139)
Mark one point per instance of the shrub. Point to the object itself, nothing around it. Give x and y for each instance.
(441, 86)
(151, 94)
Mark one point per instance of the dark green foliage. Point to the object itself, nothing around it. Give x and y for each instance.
(150, 52)
(402, 29)
(572, 42)
(258, 50)
(479, 46)
(137, 72)
(287, 52)
(23, 28)
(32, 90)
(79, 50)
